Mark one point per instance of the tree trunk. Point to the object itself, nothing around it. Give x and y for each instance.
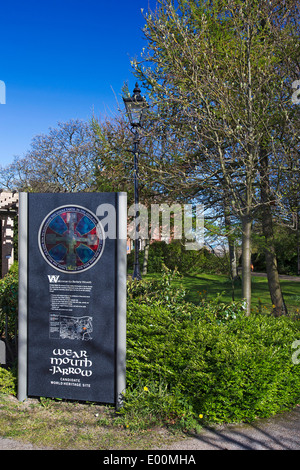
(298, 241)
(271, 263)
(232, 254)
(273, 277)
(231, 248)
(146, 257)
(246, 262)
(233, 263)
(267, 225)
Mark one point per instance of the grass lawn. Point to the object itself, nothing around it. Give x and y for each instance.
(211, 285)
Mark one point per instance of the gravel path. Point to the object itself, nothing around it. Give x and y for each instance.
(281, 432)
(284, 277)
(11, 444)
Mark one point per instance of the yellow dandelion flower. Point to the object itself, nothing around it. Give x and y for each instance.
(146, 389)
(200, 416)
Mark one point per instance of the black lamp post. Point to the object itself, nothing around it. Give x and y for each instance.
(135, 106)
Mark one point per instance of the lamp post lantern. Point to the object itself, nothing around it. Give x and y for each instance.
(135, 106)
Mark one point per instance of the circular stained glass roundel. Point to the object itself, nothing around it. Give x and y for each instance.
(71, 239)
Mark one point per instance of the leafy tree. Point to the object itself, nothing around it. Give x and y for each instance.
(61, 161)
(220, 83)
(115, 168)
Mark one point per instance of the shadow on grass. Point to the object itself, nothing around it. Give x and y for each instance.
(276, 433)
(199, 286)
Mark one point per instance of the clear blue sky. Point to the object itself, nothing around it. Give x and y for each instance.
(62, 60)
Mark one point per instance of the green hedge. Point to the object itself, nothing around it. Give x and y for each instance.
(194, 364)
(227, 372)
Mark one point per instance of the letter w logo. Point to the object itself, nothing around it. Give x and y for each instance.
(53, 278)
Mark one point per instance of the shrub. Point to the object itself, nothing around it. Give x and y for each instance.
(229, 371)
(9, 311)
(7, 381)
(163, 291)
(9, 303)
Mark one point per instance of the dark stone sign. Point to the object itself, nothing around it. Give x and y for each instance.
(72, 298)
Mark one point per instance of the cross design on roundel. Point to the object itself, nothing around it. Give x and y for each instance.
(71, 239)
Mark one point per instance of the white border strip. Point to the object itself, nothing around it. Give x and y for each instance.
(22, 314)
(121, 266)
